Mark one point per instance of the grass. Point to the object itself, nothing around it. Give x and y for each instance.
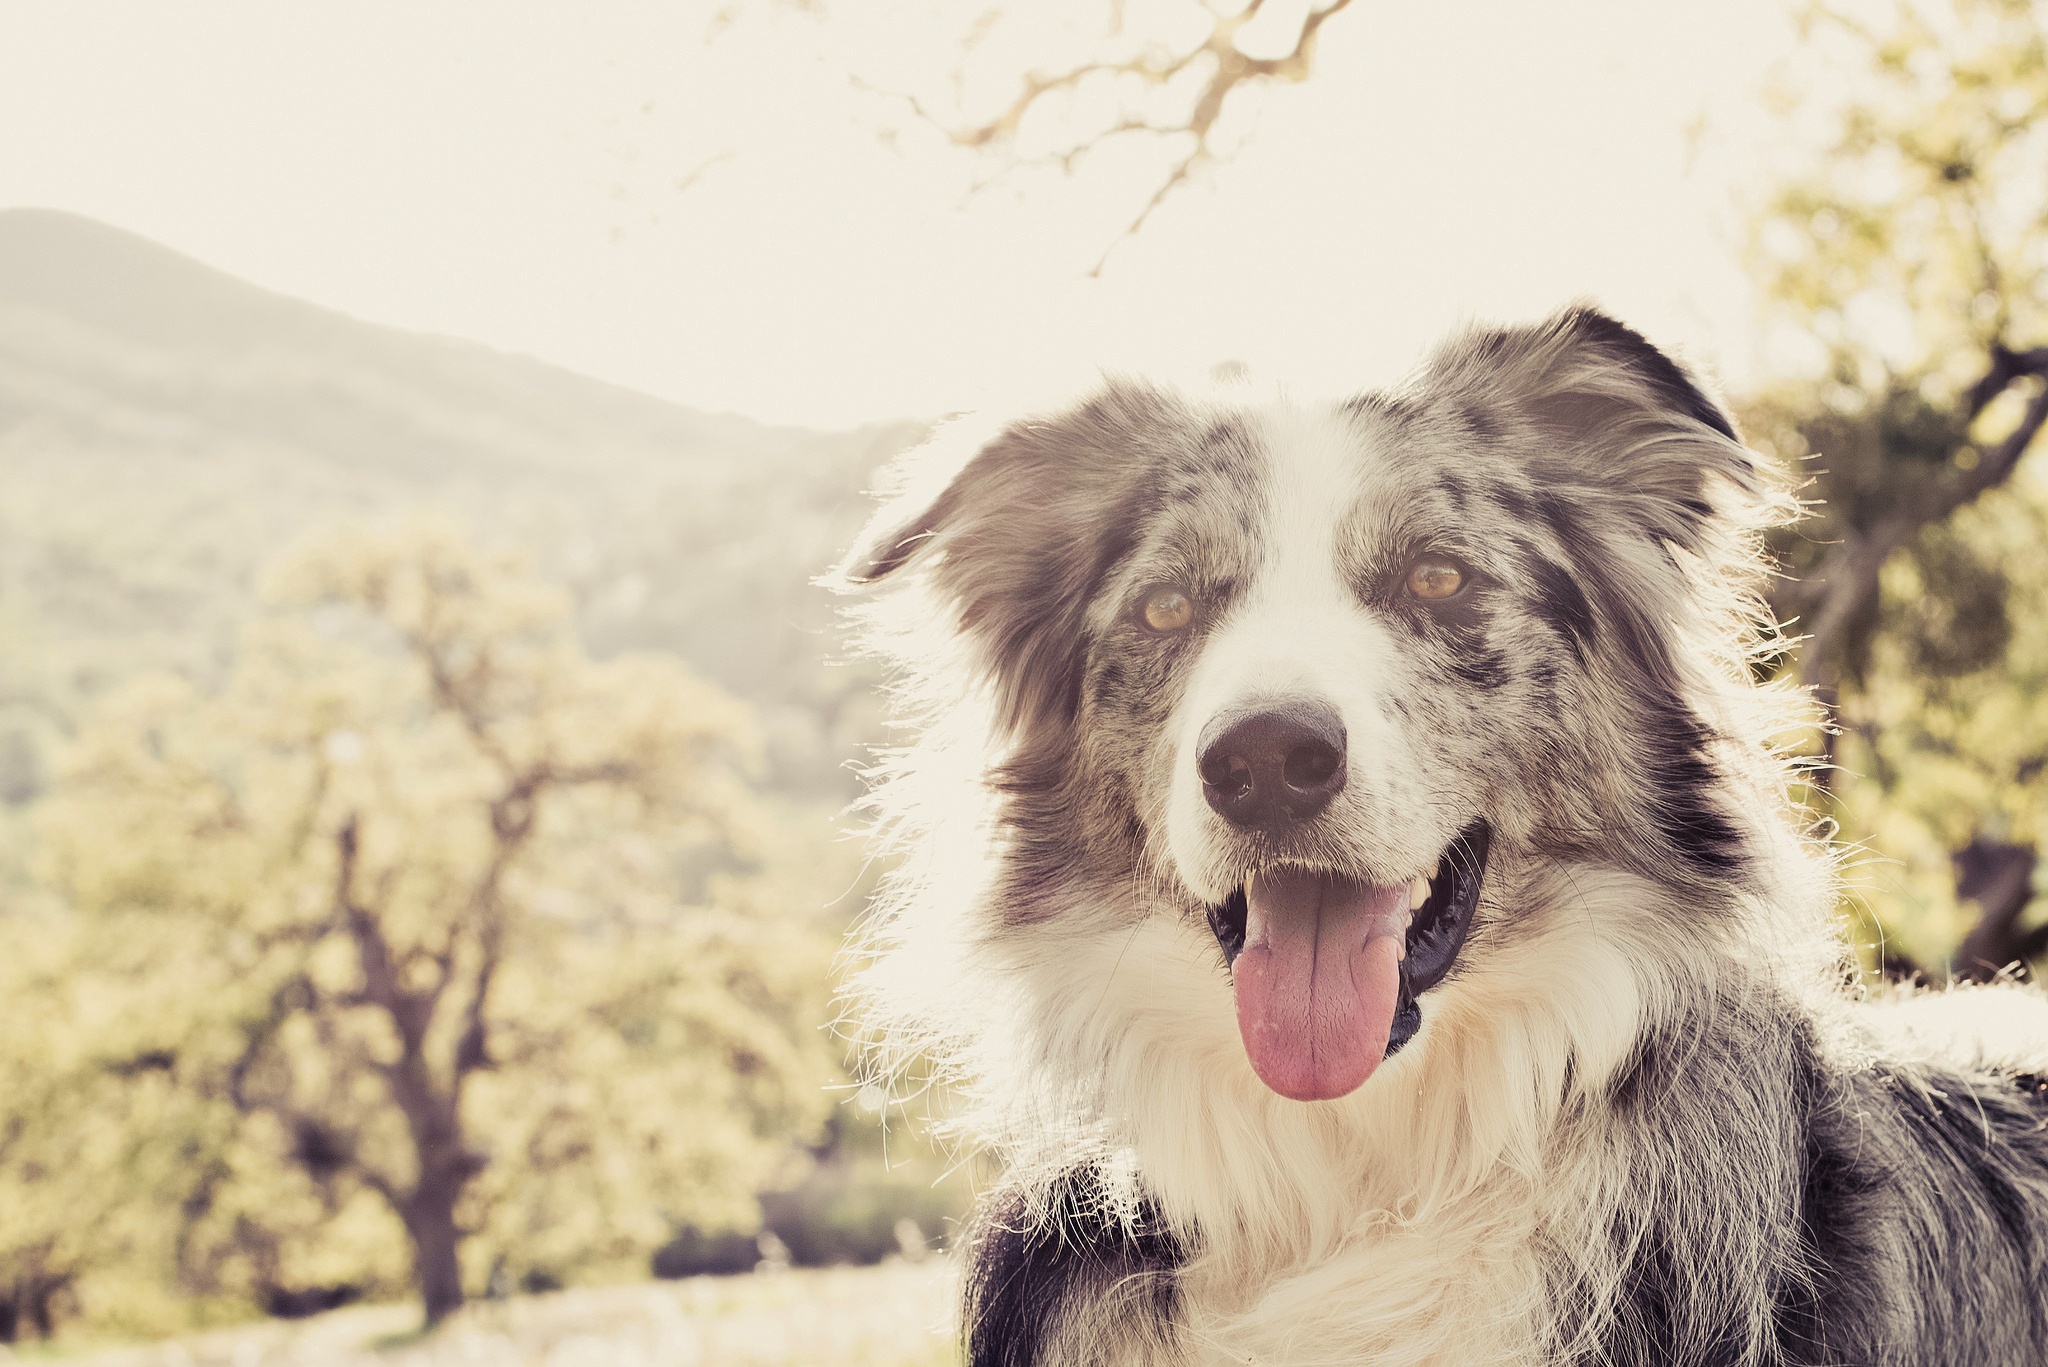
(894, 1315)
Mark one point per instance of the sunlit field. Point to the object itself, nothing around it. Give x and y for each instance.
(894, 1315)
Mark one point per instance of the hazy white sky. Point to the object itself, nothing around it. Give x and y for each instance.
(514, 173)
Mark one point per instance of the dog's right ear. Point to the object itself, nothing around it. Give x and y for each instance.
(1017, 539)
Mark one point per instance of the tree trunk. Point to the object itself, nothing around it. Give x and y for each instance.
(436, 1242)
(28, 1307)
(1999, 878)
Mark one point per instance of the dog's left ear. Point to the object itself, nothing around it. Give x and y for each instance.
(1613, 416)
(1018, 538)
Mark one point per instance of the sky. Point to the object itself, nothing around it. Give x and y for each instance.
(736, 210)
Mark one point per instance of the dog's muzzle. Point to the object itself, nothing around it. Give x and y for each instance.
(1328, 972)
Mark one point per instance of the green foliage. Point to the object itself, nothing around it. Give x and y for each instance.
(1906, 235)
(1908, 245)
(1948, 740)
(96, 1140)
(426, 927)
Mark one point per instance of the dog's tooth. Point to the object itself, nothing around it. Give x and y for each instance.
(1418, 893)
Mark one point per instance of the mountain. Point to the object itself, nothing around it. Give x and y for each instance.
(166, 428)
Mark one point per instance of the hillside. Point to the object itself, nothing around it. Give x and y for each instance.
(166, 428)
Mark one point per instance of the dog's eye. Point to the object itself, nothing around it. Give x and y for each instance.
(1435, 578)
(1168, 609)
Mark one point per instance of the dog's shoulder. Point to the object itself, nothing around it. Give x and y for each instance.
(1925, 1155)
(1069, 1258)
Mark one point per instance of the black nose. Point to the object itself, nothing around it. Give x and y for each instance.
(1283, 762)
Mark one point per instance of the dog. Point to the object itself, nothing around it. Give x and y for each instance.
(1344, 871)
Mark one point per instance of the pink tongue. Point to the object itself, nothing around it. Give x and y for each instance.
(1318, 980)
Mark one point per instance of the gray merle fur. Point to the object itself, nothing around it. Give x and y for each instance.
(1775, 1174)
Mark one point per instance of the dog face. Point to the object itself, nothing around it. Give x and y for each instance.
(1306, 671)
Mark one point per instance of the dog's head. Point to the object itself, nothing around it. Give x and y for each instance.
(1307, 671)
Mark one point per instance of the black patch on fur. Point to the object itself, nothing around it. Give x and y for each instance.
(1557, 513)
(1227, 433)
(1516, 503)
(1676, 778)
(1484, 423)
(1483, 668)
(1556, 597)
(1658, 372)
(1024, 1274)
(1398, 408)
(1680, 781)
(1226, 445)
(1662, 1295)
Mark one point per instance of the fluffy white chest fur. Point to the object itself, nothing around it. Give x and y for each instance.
(1414, 1222)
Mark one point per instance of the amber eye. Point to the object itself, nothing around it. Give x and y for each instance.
(1168, 609)
(1434, 579)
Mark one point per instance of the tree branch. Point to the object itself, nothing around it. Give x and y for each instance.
(1996, 465)
(1231, 70)
(1845, 586)
(381, 987)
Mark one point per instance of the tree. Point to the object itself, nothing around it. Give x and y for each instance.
(466, 932)
(1907, 248)
(93, 1138)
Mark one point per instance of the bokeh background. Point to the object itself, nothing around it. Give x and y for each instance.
(425, 753)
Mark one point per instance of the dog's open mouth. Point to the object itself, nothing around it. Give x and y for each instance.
(1328, 970)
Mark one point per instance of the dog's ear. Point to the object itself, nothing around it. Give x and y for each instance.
(1613, 416)
(1017, 539)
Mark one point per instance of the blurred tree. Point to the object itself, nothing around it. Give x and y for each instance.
(92, 1138)
(467, 934)
(1906, 250)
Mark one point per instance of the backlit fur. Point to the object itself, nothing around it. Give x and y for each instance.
(1646, 1119)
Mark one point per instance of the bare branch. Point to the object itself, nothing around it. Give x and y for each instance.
(457, 696)
(696, 173)
(382, 1185)
(1230, 69)
(472, 1050)
(373, 953)
(1996, 465)
(1176, 176)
